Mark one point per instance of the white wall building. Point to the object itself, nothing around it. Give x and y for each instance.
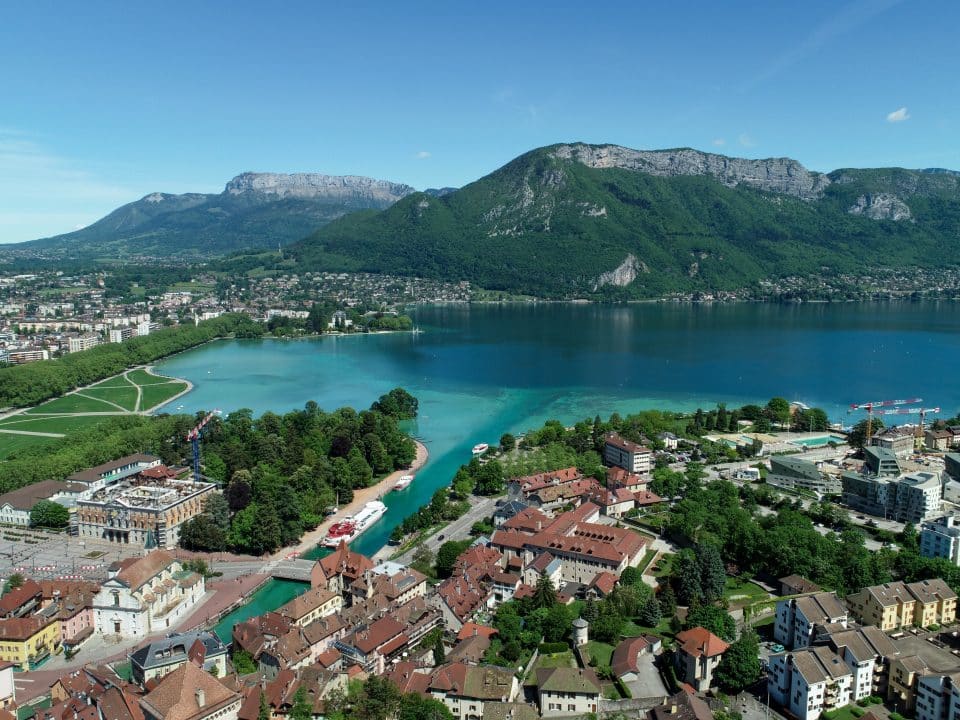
(796, 618)
(940, 538)
(145, 596)
(809, 681)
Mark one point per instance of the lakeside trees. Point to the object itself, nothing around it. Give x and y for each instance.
(286, 470)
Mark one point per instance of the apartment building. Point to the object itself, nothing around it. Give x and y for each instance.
(912, 498)
(797, 618)
(698, 654)
(792, 473)
(565, 691)
(897, 604)
(896, 439)
(810, 681)
(630, 456)
(940, 538)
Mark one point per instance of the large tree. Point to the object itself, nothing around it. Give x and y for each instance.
(857, 437)
(715, 619)
(740, 667)
(544, 594)
(49, 514)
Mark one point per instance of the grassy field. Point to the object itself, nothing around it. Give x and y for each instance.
(743, 593)
(153, 395)
(134, 391)
(73, 403)
(10, 444)
(601, 652)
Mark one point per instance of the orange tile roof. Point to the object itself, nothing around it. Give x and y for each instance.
(700, 641)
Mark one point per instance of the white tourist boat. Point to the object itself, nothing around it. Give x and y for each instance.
(403, 482)
(349, 529)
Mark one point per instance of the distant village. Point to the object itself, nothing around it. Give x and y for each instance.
(557, 537)
(46, 314)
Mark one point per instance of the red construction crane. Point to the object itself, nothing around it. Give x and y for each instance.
(869, 407)
(922, 412)
(193, 437)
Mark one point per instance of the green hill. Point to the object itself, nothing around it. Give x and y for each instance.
(256, 210)
(578, 219)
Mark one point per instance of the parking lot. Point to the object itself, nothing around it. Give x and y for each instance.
(45, 555)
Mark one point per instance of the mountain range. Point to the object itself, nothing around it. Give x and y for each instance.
(564, 220)
(255, 210)
(576, 219)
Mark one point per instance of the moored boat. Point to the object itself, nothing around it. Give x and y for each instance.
(480, 448)
(403, 482)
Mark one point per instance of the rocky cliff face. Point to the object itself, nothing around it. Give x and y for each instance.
(315, 185)
(881, 206)
(624, 274)
(781, 175)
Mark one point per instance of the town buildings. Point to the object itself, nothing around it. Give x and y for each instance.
(630, 456)
(142, 510)
(15, 506)
(563, 691)
(912, 498)
(190, 693)
(698, 654)
(145, 595)
(940, 538)
(159, 658)
(792, 473)
(797, 619)
(897, 604)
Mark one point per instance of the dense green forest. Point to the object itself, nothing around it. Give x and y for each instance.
(722, 516)
(26, 385)
(549, 226)
(282, 471)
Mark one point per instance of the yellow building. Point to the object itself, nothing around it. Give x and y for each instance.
(29, 640)
(897, 604)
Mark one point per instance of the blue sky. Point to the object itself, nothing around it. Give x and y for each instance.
(102, 103)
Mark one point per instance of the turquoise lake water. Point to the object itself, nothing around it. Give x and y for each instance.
(482, 370)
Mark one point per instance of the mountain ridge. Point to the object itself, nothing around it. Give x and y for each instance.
(254, 211)
(572, 219)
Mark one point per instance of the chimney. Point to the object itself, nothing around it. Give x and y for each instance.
(201, 697)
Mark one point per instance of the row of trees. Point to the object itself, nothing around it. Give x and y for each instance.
(24, 385)
(720, 516)
(284, 471)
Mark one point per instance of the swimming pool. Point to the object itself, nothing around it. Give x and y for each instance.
(819, 441)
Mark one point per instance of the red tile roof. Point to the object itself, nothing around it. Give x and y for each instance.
(470, 629)
(700, 641)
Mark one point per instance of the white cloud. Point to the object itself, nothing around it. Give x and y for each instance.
(719, 142)
(898, 115)
(423, 155)
(43, 193)
(745, 140)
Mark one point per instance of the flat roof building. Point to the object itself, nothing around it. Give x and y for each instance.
(148, 513)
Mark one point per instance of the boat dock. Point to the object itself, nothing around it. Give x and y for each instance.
(293, 570)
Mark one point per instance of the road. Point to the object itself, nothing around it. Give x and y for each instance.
(459, 529)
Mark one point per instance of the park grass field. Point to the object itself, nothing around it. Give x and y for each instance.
(10, 444)
(135, 391)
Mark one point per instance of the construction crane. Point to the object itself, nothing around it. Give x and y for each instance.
(922, 412)
(194, 438)
(870, 408)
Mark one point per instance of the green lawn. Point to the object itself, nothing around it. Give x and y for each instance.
(562, 659)
(848, 712)
(142, 377)
(73, 404)
(600, 652)
(125, 397)
(156, 394)
(56, 424)
(12, 443)
(665, 565)
(743, 593)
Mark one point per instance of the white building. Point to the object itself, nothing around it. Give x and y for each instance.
(940, 538)
(797, 617)
(84, 342)
(8, 691)
(809, 681)
(628, 455)
(938, 696)
(567, 691)
(146, 596)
